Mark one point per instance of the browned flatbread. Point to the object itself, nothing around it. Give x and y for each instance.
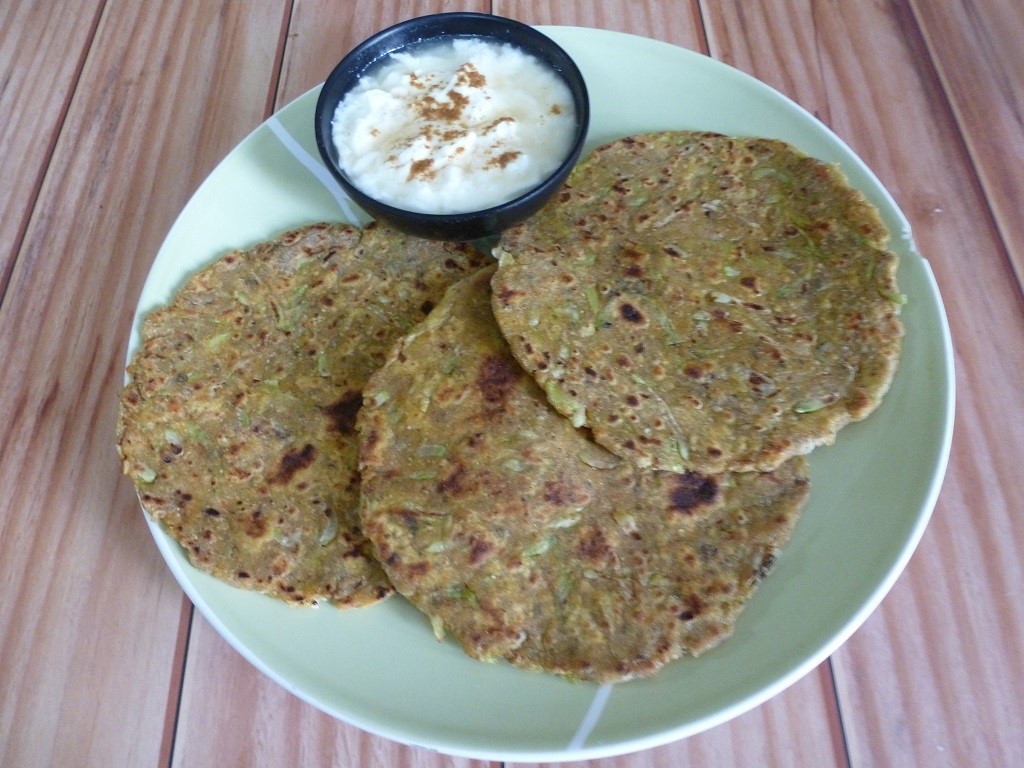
(525, 540)
(704, 302)
(238, 422)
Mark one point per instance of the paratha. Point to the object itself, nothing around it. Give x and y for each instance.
(704, 302)
(237, 425)
(527, 541)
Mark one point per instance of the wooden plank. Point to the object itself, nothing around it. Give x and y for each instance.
(41, 54)
(90, 641)
(673, 22)
(322, 33)
(935, 677)
(976, 49)
(910, 681)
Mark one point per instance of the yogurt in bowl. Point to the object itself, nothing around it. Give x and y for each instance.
(453, 126)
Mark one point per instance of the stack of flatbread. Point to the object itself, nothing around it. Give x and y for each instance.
(581, 459)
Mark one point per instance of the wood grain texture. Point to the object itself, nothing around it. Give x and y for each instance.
(41, 55)
(934, 677)
(113, 112)
(89, 623)
(322, 32)
(981, 67)
(676, 22)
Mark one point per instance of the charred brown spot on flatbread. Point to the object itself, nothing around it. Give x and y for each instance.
(292, 462)
(342, 413)
(562, 492)
(593, 546)
(692, 490)
(255, 525)
(496, 375)
(454, 483)
(479, 548)
(631, 314)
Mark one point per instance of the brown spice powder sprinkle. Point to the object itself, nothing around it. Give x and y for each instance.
(495, 123)
(432, 109)
(421, 169)
(503, 160)
(468, 75)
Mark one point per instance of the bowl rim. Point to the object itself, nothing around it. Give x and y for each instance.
(566, 69)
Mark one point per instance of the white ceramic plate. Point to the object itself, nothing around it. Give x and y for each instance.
(872, 492)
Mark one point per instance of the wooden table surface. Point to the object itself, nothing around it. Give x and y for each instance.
(113, 111)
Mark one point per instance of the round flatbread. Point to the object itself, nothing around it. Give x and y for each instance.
(527, 541)
(237, 424)
(704, 302)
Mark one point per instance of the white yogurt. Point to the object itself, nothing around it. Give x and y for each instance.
(459, 126)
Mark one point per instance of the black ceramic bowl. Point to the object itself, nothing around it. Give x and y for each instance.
(436, 28)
